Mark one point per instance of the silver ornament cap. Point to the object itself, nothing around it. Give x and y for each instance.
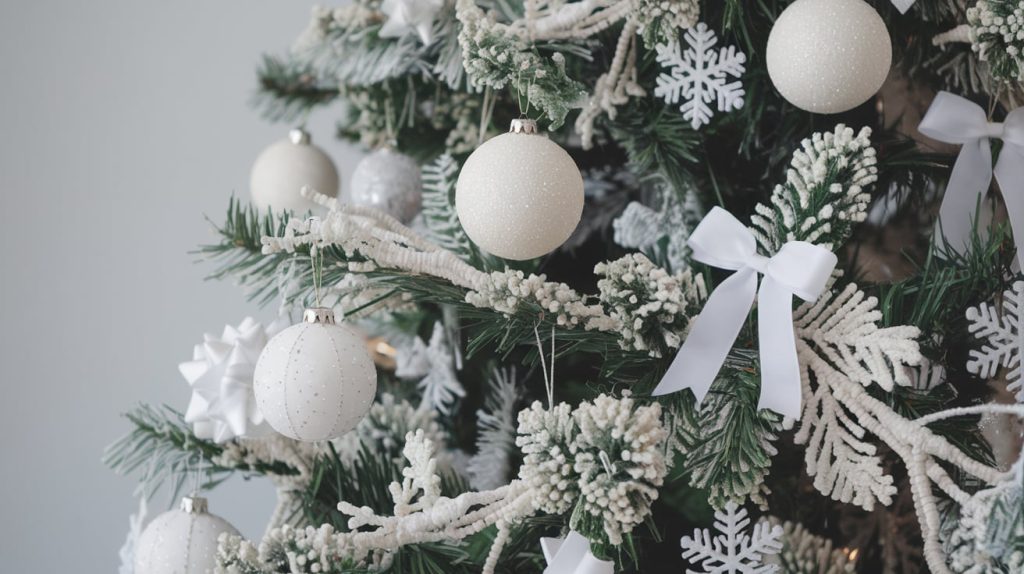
(194, 505)
(299, 136)
(524, 126)
(321, 315)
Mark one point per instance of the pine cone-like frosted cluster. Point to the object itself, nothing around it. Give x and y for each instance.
(660, 20)
(286, 549)
(546, 441)
(607, 455)
(620, 461)
(651, 304)
(997, 35)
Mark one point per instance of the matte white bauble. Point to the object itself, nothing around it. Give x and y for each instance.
(520, 195)
(181, 541)
(315, 380)
(828, 56)
(389, 181)
(283, 169)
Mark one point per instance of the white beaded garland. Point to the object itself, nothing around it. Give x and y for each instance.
(388, 180)
(285, 167)
(315, 380)
(828, 56)
(520, 195)
(181, 541)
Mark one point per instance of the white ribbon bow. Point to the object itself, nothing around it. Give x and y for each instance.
(956, 120)
(571, 555)
(799, 268)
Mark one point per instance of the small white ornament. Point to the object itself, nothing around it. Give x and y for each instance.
(828, 56)
(1001, 331)
(405, 16)
(733, 551)
(315, 380)
(389, 181)
(283, 169)
(520, 195)
(223, 405)
(182, 541)
(697, 76)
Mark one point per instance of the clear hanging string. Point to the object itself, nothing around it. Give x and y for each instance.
(316, 257)
(549, 377)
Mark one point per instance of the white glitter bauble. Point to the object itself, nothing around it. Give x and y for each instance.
(182, 541)
(283, 169)
(520, 195)
(315, 380)
(389, 181)
(828, 56)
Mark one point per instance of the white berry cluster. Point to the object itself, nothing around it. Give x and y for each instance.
(546, 441)
(608, 455)
(505, 291)
(620, 461)
(651, 304)
(660, 20)
(285, 549)
(997, 35)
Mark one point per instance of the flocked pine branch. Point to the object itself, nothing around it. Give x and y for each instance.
(491, 465)
(825, 193)
(439, 178)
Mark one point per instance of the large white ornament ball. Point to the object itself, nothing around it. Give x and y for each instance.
(828, 56)
(389, 181)
(315, 380)
(520, 195)
(181, 541)
(283, 169)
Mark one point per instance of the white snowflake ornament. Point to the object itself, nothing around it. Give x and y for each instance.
(1002, 335)
(698, 75)
(733, 551)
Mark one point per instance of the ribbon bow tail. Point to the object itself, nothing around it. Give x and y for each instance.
(711, 337)
(956, 120)
(1009, 172)
(799, 269)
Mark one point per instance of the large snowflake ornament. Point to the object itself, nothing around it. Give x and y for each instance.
(1003, 342)
(698, 75)
(733, 551)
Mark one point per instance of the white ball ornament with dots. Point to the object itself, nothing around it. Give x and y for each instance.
(388, 180)
(285, 167)
(520, 195)
(181, 541)
(315, 380)
(828, 56)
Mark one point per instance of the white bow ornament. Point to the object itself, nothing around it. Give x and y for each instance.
(956, 120)
(571, 555)
(799, 268)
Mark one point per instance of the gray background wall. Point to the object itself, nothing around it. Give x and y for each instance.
(122, 122)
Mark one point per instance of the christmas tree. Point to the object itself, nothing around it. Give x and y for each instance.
(725, 297)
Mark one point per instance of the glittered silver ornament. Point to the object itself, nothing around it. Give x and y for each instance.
(389, 181)
(520, 195)
(315, 380)
(283, 169)
(181, 541)
(828, 56)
